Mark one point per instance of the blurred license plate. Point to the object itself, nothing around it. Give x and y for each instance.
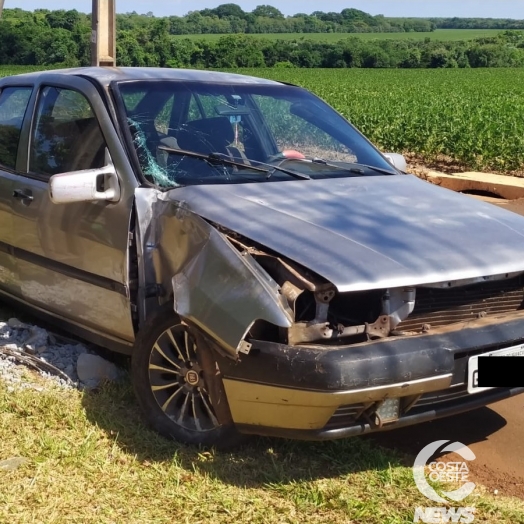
(516, 351)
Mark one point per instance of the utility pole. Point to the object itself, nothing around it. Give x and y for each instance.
(1, 7)
(103, 34)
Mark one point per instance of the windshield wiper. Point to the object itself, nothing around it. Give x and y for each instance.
(219, 158)
(353, 167)
(212, 158)
(290, 172)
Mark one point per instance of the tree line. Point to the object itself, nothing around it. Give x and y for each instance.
(232, 19)
(62, 38)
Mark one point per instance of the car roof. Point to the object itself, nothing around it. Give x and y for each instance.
(106, 75)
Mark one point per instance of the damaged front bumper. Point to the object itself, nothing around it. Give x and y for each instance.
(416, 416)
(318, 392)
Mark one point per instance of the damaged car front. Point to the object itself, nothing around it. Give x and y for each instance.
(292, 282)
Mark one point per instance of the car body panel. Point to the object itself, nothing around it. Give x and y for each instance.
(272, 406)
(105, 75)
(417, 416)
(73, 259)
(8, 272)
(376, 363)
(369, 232)
(214, 286)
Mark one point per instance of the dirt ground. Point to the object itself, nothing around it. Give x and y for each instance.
(494, 433)
(444, 164)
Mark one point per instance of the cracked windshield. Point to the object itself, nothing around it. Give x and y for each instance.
(202, 133)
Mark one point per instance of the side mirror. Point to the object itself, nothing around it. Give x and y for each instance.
(397, 160)
(89, 185)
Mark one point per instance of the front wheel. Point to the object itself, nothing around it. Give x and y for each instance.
(170, 384)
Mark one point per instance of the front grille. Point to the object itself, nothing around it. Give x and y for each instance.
(445, 395)
(441, 307)
(344, 416)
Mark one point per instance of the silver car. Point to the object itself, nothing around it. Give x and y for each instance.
(266, 267)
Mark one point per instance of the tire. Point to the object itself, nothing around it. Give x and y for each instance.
(170, 387)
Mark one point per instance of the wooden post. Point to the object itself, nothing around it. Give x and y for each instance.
(103, 35)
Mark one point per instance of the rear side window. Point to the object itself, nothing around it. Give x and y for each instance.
(13, 105)
(66, 135)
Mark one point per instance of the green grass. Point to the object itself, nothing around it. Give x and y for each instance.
(444, 35)
(90, 460)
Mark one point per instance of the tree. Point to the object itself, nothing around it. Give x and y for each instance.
(411, 59)
(355, 15)
(238, 51)
(374, 57)
(63, 19)
(229, 10)
(63, 37)
(267, 11)
(55, 46)
(17, 46)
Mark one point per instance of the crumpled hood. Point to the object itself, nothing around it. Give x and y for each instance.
(368, 232)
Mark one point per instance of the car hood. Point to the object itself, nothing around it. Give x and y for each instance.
(368, 232)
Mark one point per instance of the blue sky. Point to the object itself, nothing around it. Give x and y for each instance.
(423, 8)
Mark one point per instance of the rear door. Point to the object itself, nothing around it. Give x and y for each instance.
(13, 106)
(72, 258)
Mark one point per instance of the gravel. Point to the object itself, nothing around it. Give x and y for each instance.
(26, 346)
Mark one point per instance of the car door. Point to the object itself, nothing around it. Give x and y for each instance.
(13, 106)
(72, 258)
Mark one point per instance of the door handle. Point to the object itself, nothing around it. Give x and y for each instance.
(24, 194)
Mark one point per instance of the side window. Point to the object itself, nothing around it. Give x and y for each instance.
(164, 116)
(66, 135)
(145, 109)
(195, 111)
(204, 106)
(13, 105)
(215, 117)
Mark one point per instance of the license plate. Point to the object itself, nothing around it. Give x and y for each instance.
(515, 351)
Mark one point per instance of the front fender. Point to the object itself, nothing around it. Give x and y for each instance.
(214, 286)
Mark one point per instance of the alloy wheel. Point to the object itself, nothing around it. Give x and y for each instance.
(177, 382)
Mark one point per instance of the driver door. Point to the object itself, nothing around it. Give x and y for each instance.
(72, 258)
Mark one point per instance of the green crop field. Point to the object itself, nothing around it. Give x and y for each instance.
(444, 35)
(473, 116)
(18, 70)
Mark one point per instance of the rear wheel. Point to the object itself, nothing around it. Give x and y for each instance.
(170, 384)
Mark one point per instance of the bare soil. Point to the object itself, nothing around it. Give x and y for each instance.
(494, 433)
(419, 165)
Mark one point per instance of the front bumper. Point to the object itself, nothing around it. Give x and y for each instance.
(416, 417)
(319, 392)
